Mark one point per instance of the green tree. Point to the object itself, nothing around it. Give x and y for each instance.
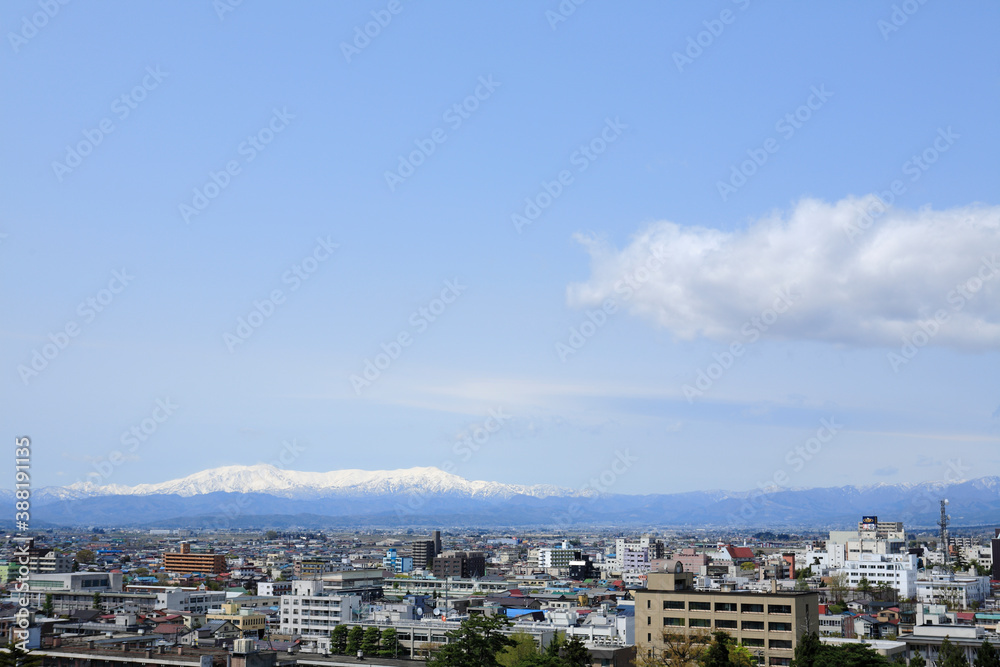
(85, 556)
(15, 656)
(917, 660)
(807, 650)
(141, 572)
(389, 644)
(575, 653)
(47, 608)
(986, 656)
(354, 638)
(523, 646)
(950, 655)
(271, 535)
(369, 644)
(97, 600)
(338, 640)
(477, 643)
(849, 655)
(740, 656)
(865, 586)
(717, 654)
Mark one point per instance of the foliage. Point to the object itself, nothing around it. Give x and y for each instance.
(271, 535)
(950, 655)
(354, 638)
(838, 587)
(477, 643)
(85, 556)
(749, 565)
(575, 654)
(986, 656)
(679, 650)
(47, 608)
(918, 660)
(338, 640)
(812, 653)
(865, 586)
(389, 644)
(15, 656)
(717, 654)
(97, 600)
(369, 644)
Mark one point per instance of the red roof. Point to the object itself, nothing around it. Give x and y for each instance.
(740, 552)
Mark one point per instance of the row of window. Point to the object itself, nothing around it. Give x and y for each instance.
(746, 608)
(752, 642)
(723, 624)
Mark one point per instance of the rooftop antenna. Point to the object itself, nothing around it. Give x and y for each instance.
(944, 530)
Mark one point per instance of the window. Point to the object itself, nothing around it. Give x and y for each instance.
(725, 606)
(780, 643)
(753, 625)
(751, 641)
(669, 620)
(731, 625)
(779, 627)
(779, 609)
(700, 622)
(673, 604)
(700, 606)
(753, 609)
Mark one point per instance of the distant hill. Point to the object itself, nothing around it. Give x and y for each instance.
(263, 496)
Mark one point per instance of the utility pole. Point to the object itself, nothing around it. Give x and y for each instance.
(944, 530)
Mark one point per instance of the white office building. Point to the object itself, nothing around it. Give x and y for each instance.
(955, 589)
(311, 615)
(897, 570)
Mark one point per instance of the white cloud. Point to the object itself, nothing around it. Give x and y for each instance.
(855, 279)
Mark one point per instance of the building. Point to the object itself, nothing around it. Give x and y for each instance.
(995, 548)
(897, 570)
(274, 588)
(462, 564)
(926, 640)
(311, 568)
(194, 600)
(770, 624)
(422, 553)
(957, 590)
(187, 562)
(249, 622)
(42, 560)
(310, 614)
(396, 563)
(556, 557)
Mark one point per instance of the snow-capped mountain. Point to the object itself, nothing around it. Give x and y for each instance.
(271, 480)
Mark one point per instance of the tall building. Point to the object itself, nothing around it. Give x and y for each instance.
(995, 546)
(311, 568)
(422, 552)
(312, 615)
(461, 564)
(186, 562)
(769, 624)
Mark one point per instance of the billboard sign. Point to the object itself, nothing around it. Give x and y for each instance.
(869, 523)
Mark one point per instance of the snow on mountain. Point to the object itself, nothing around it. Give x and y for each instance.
(268, 479)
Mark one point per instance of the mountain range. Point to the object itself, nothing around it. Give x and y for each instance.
(264, 496)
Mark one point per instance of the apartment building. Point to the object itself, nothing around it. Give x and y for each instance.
(310, 614)
(311, 568)
(187, 562)
(953, 589)
(770, 624)
(464, 564)
(556, 557)
(897, 570)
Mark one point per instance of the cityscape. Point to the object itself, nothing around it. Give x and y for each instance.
(564, 333)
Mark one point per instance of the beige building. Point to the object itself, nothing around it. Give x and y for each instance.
(769, 624)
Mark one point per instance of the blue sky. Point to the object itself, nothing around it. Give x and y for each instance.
(689, 164)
